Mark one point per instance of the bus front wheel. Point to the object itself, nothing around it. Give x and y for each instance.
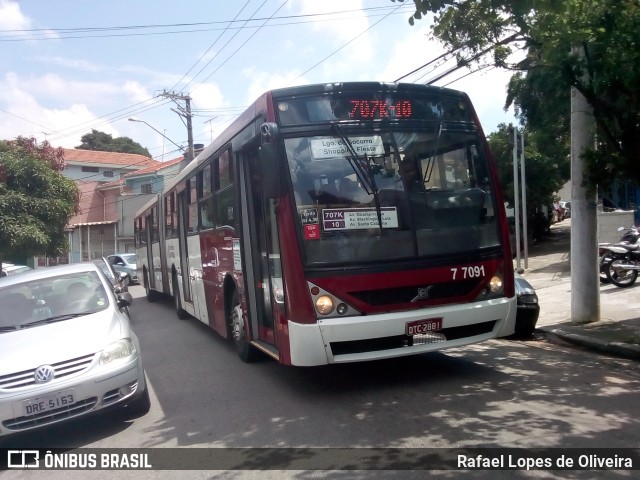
(235, 319)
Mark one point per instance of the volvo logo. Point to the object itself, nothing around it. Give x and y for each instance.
(44, 374)
(423, 293)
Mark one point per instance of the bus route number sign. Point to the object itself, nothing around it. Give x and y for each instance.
(422, 327)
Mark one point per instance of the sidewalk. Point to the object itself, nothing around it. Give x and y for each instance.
(548, 271)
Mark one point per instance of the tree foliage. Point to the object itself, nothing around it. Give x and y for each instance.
(547, 166)
(550, 33)
(36, 200)
(104, 142)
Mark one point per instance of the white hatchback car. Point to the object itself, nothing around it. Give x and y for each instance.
(66, 348)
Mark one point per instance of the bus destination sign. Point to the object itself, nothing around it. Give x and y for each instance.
(372, 106)
(358, 218)
(369, 109)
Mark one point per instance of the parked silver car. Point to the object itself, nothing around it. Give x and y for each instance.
(125, 263)
(66, 348)
(11, 269)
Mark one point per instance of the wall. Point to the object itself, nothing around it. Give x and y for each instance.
(609, 222)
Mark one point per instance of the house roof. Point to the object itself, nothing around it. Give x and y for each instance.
(116, 159)
(154, 168)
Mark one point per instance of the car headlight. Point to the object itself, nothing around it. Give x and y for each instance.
(528, 299)
(120, 349)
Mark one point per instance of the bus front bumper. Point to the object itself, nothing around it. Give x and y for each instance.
(374, 337)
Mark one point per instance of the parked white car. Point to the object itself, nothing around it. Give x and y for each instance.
(66, 348)
(125, 263)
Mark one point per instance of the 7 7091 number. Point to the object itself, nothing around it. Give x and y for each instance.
(476, 271)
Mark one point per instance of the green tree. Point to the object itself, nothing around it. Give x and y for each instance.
(547, 167)
(104, 142)
(547, 31)
(36, 200)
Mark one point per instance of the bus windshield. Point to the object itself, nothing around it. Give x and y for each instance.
(392, 194)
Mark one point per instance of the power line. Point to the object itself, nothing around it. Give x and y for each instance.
(23, 35)
(243, 44)
(208, 49)
(345, 45)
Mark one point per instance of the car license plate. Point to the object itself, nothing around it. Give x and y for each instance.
(35, 406)
(421, 327)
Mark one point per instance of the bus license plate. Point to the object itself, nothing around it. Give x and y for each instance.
(35, 406)
(420, 327)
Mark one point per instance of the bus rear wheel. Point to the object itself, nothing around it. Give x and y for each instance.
(180, 312)
(151, 294)
(236, 323)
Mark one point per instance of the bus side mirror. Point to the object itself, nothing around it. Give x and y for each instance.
(269, 162)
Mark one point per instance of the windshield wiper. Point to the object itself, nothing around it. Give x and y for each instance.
(365, 177)
(431, 160)
(356, 163)
(57, 318)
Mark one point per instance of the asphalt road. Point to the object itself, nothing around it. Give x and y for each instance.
(501, 393)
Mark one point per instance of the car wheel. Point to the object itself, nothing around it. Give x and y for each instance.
(236, 322)
(524, 330)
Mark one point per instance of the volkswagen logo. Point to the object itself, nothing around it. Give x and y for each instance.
(44, 374)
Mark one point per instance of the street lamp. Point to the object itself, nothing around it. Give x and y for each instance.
(132, 119)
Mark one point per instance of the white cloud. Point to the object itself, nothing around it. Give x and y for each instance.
(338, 28)
(345, 31)
(208, 96)
(488, 92)
(72, 63)
(411, 52)
(260, 82)
(11, 18)
(136, 91)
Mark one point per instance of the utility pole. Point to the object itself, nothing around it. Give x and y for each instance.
(524, 203)
(585, 286)
(516, 140)
(184, 112)
(516, 199)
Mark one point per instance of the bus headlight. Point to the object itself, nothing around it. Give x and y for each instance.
(494, 288)
(324, 305)
(496, 284)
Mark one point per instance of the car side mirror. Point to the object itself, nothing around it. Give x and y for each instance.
(269, 165)
(124, 278)
(124, 299)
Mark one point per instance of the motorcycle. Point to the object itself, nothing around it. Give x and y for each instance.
(619, 262)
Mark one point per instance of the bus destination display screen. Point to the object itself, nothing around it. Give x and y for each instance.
(380, 106)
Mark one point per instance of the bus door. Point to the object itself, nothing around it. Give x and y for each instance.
(150, 239)
(262, 253)
(183, 251)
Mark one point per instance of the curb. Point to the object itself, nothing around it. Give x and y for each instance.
(619, 349)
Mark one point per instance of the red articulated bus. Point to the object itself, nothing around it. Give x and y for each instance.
(337, 223)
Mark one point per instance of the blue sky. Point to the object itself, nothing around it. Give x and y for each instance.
(71, 66)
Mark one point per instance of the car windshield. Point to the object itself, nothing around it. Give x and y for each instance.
(392, 195)
(50, 299)
(129, 258)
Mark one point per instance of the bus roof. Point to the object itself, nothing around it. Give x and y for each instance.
(260, 105)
